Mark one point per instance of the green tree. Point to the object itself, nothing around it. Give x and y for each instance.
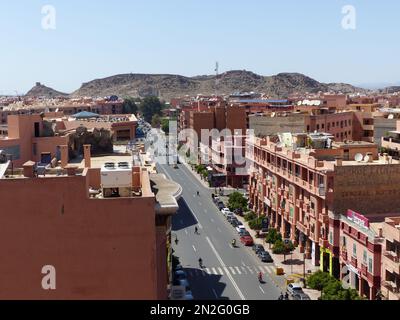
(318, 280)
(236, 200)
(129, 106)
(149, 107)
(165, 125)
(155, 121)
(273, 236)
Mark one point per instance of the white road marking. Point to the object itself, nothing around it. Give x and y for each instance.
(220, 271)
(250, 269)
(214, 271)
(232, 270)
(194, 248)
(223, 264)
(238, 270)
(244, 270)
(243, 264)
(261, 268)
(269, 269)
(208, 271)
(261, 289)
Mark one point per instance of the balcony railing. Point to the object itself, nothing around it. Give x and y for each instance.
(392, 256)
(364, 270)
(344, 255)
(354, 262)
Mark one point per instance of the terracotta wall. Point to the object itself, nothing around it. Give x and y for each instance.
(370, 189)
(101, 249)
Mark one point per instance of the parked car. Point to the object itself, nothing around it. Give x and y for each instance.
(301, 296)
(225, 211)
(180, 274)
(240, 228)
(220, 205)
(265, 256)
(234, 220)
(294, 288)
(238, 211)
(178, 267)
(247, 240)
(244, 233)
(229, 216)
(258, 248)
(189, 295)
(184, 283)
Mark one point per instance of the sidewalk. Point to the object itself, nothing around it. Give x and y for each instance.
(293, 266)
(226, 190)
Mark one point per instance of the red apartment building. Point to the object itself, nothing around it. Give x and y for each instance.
(105, 232)
(299, 188)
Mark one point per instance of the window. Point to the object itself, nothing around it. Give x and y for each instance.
(291, 212)
(370, 265)
(333, 124)
(344, 241)
(323, 126)
(365, 257)
(331, 237)
(317, 126)
(354, 250)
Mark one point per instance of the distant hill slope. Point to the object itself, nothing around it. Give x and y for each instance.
(169, 86)
(40, 90)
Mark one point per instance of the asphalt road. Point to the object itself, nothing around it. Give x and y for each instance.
(228, 273)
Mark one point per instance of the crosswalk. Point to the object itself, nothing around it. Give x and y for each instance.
(234, 270)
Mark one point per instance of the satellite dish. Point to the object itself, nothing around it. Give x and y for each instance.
(366, 158)
(391, 116)
(358, 157)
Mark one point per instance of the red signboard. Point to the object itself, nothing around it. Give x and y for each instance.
(358, 218)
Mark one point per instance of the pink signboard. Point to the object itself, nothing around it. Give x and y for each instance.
(358, 218)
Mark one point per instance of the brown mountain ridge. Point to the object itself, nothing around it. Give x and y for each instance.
(168, 86)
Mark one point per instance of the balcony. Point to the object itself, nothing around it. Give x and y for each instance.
(391, 261)
(393, 288)
(364, 270)
(324, 243)
(323, 218)
(344, 255)
(353, 262)
(299, 203)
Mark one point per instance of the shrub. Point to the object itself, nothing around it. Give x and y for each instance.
(256, 224)
(278, 247)
(250, 216)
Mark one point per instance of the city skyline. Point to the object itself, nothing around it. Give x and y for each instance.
(263, 37)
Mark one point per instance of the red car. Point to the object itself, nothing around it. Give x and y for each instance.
(247, 240)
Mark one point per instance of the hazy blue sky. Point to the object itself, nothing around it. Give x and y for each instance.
(95, 38)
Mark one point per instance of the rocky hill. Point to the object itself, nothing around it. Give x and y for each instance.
(168, 86)
(40, 90)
